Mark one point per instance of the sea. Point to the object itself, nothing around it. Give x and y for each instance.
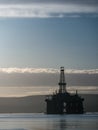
(41, 121)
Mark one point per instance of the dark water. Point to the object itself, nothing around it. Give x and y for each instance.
(48, 122)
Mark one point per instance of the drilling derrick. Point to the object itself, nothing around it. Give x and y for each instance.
(62, 83)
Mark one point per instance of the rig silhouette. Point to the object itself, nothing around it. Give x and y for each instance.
(62, 102)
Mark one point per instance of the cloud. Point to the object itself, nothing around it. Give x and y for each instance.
(28, 91)
(46, 77)
(19, 82)
(28, 70)
(46, 70)
(83, 89)
(47, 9)
(74, 71)
(83, 2)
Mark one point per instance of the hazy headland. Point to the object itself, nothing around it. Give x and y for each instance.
(36, 104)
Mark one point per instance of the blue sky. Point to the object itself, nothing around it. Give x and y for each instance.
(49, 34)
(49, 42)
(36, 35)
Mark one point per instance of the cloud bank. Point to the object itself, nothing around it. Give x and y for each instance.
(46, 70)
(18, 82)
(48, 9)
(29, 91)
(46, 77)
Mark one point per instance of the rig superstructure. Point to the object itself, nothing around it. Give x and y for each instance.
(62, 102)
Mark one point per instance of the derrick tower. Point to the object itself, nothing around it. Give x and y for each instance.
(62, 83)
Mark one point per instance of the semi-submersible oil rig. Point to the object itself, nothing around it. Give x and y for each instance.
(62, 102)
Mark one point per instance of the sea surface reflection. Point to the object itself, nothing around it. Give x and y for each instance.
(48, 122)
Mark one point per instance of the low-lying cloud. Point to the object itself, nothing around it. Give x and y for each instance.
(18, 82)
(28, 91)
(45, 9)
(28, 70)
(46, 77)
(46, 70)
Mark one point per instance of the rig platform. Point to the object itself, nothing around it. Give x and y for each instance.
(62, 102)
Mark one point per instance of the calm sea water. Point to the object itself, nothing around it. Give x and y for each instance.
(48, 122)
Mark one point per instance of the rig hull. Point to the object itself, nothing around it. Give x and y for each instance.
(64, 103)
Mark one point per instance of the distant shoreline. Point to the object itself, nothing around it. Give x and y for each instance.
(36, 104)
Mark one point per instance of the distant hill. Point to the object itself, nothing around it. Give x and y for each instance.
(90, 102)
(36, 104)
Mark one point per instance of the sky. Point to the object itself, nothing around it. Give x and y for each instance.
(42, 35)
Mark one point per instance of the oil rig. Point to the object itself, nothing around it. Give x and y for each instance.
(62, 102)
